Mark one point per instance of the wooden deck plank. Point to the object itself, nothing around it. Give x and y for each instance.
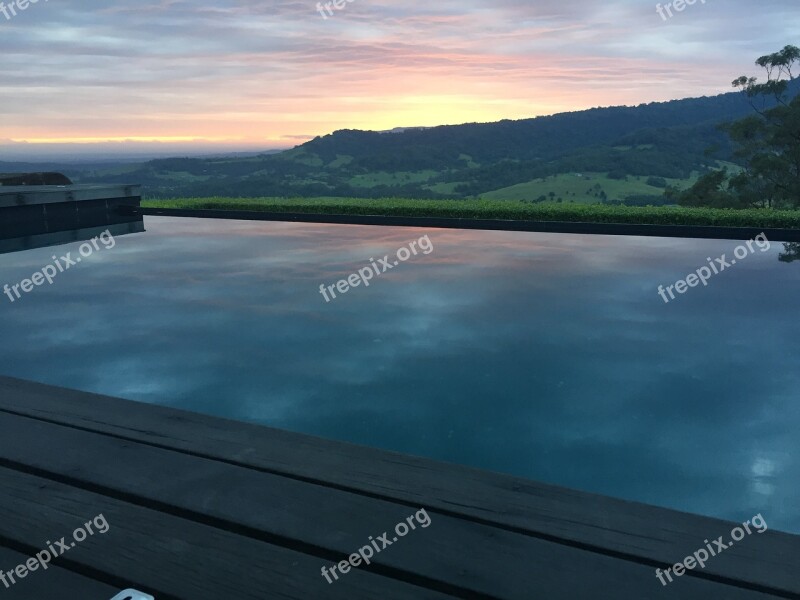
(173, 558)
(55, 582)
(628, 529)
(498, 563)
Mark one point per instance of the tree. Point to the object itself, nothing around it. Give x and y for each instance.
(769, 141)
(710, 190)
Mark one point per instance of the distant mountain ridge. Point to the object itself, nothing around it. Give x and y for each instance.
(534, 138)
(539, 137)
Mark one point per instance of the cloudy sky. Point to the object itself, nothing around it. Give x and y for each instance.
(240, 74)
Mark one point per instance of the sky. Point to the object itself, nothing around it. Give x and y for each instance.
(170, 75)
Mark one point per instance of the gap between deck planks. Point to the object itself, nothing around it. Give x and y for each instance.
(538, 511)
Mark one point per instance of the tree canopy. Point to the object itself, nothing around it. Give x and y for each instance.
(767, 143)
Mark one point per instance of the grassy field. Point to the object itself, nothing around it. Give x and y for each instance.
(582, 188)
(383, 178)
(499, 209)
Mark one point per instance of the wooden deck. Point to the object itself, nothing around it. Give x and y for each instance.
(201, 508)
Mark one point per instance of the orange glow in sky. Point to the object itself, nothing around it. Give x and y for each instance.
(270, 75)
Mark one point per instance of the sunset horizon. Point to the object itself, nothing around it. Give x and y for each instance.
(243, 77)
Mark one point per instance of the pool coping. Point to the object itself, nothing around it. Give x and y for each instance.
(32, 195)
(627, 229)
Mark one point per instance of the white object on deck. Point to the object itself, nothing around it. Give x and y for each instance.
(132, 595)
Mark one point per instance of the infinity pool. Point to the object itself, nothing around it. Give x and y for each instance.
(548, 356)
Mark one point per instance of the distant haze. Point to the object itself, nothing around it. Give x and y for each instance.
(119, 151)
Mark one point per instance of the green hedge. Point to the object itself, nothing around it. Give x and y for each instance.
(489, 209)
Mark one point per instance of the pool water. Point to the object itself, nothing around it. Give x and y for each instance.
(547, 356)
